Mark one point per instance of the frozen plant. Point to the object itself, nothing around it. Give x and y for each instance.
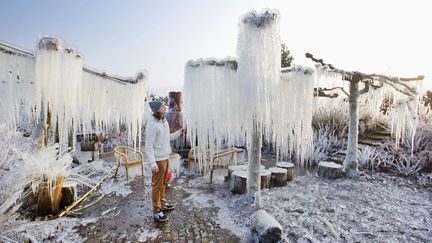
(425, 179)
(424, 114)
(405, 92)
(326, 143)
(407, 165)
(45, 171)
(334, 117)
(367, 157)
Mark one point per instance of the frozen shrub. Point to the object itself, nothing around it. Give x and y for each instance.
(333, 118)
(407, 165)
(367, 157)
(326, 143)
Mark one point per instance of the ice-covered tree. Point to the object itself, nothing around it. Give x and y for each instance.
(404, 109)
(251, 98)
(53, 87)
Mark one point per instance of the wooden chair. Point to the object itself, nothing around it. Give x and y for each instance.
(128, 157)
(217, 158)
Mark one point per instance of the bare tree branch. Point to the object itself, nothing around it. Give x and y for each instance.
(321, 92)
(407, 93)
(358, 76)
(365, 89)
(327, 89)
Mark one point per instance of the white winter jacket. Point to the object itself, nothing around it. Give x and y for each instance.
(157, 141)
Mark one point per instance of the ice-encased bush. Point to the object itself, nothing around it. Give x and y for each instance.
(44, 168)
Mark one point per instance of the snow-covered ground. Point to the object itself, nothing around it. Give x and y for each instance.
(376, 207)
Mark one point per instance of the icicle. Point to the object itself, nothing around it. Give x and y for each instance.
(211, 109)
(58, 74)
(292, 121)
(108, 103)
(16, 88)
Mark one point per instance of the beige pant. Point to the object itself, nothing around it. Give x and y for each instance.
(159, 184)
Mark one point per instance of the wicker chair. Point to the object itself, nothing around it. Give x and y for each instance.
(128, 157)
(217, 158)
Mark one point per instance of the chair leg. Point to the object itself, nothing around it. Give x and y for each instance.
(142, 169)
(127, 173)
(211, 171)
(118, 165)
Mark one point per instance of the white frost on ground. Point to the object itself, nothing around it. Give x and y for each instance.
(378, 207)
(120, 187)
(56, 230)
(224, 200)
(148, 234)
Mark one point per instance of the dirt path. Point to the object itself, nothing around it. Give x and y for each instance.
(123, 219)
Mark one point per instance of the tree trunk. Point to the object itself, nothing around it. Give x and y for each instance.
(255, 161)
(350, 164)
(68, 195)
(49, 198)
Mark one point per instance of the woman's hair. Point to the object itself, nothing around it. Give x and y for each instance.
(158, 115)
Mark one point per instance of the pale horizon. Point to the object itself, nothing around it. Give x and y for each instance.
(384, 37)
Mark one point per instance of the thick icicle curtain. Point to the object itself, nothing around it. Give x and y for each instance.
(77, 98)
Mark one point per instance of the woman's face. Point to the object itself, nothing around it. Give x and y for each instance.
(162, 109)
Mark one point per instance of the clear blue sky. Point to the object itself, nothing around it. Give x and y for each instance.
(121, 37)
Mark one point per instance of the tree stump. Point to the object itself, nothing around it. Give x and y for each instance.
(233, 168)
(265, 228)
(69, 194)
(238, 184)
(278, 177)
(265, 178)
(49, 197)
(329, 170)
(289, 167)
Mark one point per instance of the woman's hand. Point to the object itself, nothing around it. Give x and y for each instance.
(155, 169)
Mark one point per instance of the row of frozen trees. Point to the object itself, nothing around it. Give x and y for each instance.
(52, 95)
(250, 97)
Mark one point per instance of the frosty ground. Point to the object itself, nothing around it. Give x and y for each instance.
(376, 207)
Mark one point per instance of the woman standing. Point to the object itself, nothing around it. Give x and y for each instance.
(157, 151)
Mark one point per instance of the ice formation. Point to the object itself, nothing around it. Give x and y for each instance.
(225, 103)
(379, 91)
(58, 80)
(292, 122)
(211, 106)
(16, 85)
(110, 103)
(404, 118)
(47, 165)
(77, 98)
(258, 50)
